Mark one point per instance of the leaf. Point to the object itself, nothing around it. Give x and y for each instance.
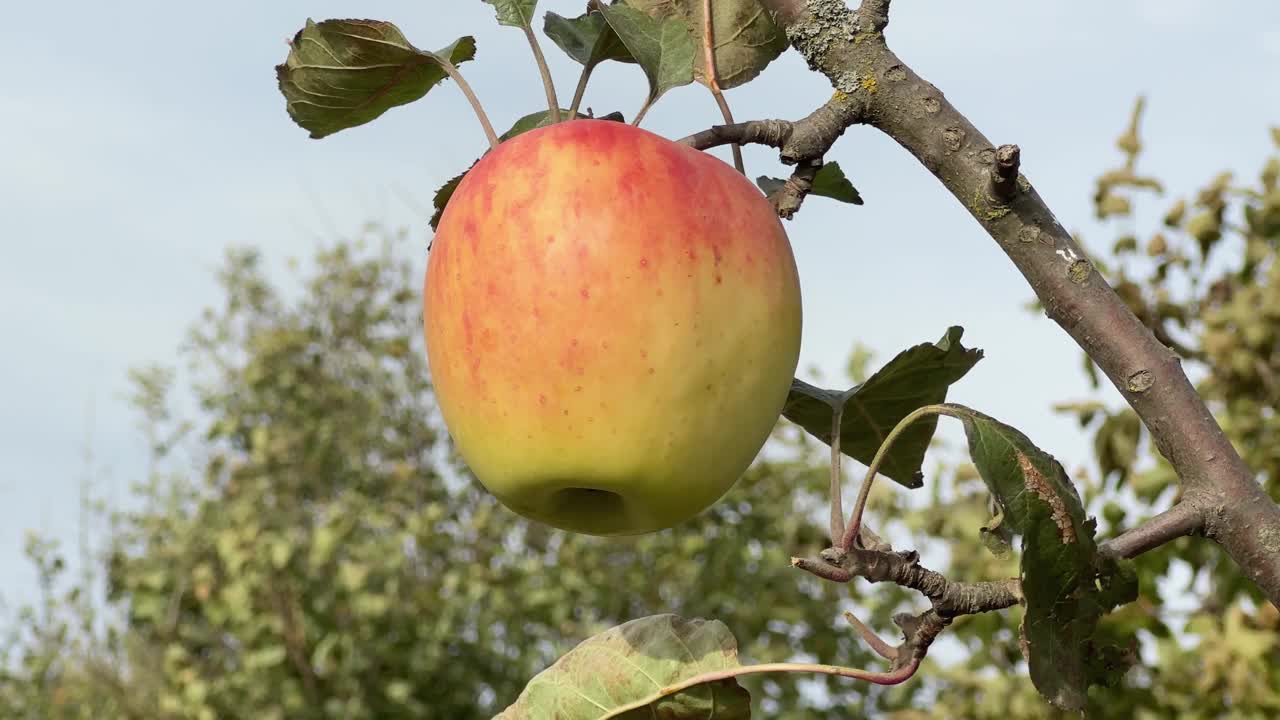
(533, 121)
(770, 185)
(344, 73)
(587, 39)
(624, 673)
(514, 13)
(828, 182)
(663, 49)
(831, 182)
(1060, 563)
(746, 38)
(914, 378)
(996, 536)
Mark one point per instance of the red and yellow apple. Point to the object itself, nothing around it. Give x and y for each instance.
(612, 323)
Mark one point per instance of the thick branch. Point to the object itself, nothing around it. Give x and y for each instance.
(849, 49)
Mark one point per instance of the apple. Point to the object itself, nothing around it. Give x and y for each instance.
(612, 323)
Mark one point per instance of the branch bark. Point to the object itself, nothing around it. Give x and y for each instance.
(849, 48)
(1178, 521)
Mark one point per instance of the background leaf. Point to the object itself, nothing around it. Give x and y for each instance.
(746, 38)
(662, 48)
(344, 73)
(514, 13)
(632, 663)
(587, 38)
(914, 378)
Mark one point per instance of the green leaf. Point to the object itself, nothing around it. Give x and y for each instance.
(770, 185)
(662, 48)
(344, 73)
(533, 121)
(916, 377)
(828, 182)
(831, 182)
(625, 673)
(514, 13)
(1060, 563)
(996, 536)
(587, 39)
(746, 38)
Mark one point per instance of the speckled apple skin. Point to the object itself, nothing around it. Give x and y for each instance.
(612, 323)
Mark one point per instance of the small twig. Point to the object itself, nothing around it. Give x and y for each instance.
(713, 78)
(1004, 172)
(1184, 518)
(465, 87)
(548, 84)
(787, 199)
(879, 646)
(837, 503)
(903, 568)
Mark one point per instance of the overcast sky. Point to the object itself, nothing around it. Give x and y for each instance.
(139, 139)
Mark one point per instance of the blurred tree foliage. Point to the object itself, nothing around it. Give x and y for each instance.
(308, 546)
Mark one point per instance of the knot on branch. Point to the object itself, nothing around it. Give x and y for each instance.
(787, 199)
(1004, 172)
(874, 15)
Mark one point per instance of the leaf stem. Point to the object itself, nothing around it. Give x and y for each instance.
(855, 522)
(580, 91)
(837, 504)
(553, 103)
(465, 87)
(648, 103)
(893, 677)
(713, 81)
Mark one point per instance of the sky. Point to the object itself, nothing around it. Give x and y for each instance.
(139, 140)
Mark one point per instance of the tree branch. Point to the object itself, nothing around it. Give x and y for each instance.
(948, 599)
(1178, 521)
(849, 48)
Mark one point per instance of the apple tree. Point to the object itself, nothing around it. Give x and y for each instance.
(528, 364)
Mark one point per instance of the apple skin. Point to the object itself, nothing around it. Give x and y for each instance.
(612, 322)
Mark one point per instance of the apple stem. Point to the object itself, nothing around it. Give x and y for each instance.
(553, 103)
(837, 504)
(465, 87)
(580, 91)
(855, 522)
(713, 81)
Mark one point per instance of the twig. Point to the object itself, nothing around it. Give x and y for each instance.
(713, 78)
(1180, 520)
(787, 199)
(1004, 172)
